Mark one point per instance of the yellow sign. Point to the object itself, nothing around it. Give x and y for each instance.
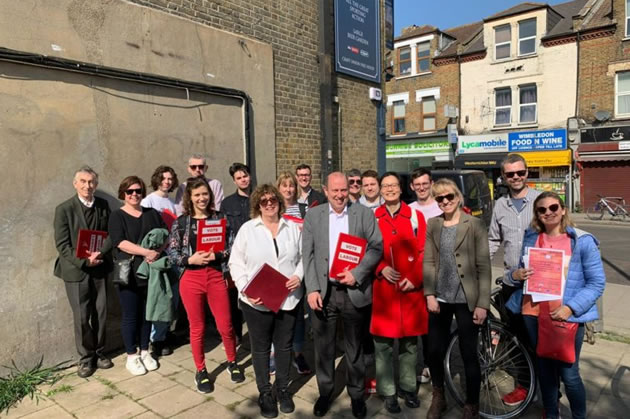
(547, 158)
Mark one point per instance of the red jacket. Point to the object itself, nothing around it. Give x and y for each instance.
(398, 314)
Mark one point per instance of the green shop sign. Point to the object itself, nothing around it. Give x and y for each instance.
(416, 149)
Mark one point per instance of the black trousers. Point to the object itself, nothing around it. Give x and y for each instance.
(266, 327)
(88, 300)
(337, 305)
(236, 313)
(439, 334)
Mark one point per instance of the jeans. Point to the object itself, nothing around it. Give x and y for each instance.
(264, 328)
(135, 329)
(551, 371)
(159, 329)
(468, 332)
(384, 356)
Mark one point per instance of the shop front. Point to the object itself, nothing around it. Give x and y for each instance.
(404, 155)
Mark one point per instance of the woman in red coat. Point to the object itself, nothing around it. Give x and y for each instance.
(399, 308)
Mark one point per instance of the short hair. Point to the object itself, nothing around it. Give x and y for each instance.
(238, 167)
(127, 182)
(386, 174)
(418, 172)
(566, 220)
(86, 169)
(288, 176)
(442, 184)
(257, 195)
(512, 158)
(370, 173)
(157, 176)
(191, 184)
(336, 174)
(197, 156)
(353, 173)
(303, 166)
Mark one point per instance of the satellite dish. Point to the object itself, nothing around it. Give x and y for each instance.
(602, 116)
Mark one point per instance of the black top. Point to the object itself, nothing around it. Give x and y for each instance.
(236, 209)
(123, 226)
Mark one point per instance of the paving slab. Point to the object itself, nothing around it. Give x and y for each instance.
(209, 409)
(173, 400)
(116, 407)
(51, 412)
(140, 387)
(82, 396)
(28, 406)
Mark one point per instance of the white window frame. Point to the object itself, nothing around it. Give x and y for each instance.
(509, 107)
(428, 58)
(627, 32)
(404, 118)
(527, 38)
(497, 44)
(617, 114)
(534, 104)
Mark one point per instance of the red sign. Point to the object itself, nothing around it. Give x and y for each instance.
(349, 252)
(211, 235)
(89, 241)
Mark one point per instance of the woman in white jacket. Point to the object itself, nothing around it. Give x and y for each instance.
(268, 238)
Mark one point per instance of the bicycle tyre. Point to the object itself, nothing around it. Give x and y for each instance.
(505, 353)
(596, 212)
(620, 214)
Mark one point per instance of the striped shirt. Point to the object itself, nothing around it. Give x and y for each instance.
(507, 228)
(293, 210)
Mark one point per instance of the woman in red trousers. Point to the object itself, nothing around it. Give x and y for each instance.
(398, 305)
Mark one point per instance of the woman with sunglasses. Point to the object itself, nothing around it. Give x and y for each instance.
(271, 239)
(127, 227)
(201, 280)
(585, 280)
(457, 282)
(398, 306)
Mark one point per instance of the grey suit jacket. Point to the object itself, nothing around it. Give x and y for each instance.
(361, 223)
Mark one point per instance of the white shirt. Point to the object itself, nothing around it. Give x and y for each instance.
(88, 204)
(159, 203)
(337, 224)
(254, 246)
(429, 211)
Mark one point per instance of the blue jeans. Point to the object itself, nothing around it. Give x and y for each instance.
(551, 371)
(159, 329)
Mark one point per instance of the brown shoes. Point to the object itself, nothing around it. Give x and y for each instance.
(438, 404)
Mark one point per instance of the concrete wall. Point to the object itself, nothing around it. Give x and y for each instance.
(53, 121)
(552, 69)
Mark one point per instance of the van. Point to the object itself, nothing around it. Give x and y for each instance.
(472, 183)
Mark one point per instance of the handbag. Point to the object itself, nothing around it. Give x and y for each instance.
(122, 271)
(556, 340)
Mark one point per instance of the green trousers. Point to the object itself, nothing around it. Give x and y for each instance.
(384, 356)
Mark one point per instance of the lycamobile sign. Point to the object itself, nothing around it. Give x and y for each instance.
(486, 143)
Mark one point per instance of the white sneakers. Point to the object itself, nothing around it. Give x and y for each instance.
(140, 364)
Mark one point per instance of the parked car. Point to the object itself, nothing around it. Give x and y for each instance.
(472, 183)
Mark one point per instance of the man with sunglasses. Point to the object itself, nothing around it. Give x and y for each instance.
(197, 168)
(354, 184)
(512, 215)
(85, 279)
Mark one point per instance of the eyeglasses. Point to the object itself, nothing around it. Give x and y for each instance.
(273, 201)
(132, 191)
(197, 166)
(519, 173)
(390, 186)
(303, 175)
(354, 182)
(543, 210)
(449, 196)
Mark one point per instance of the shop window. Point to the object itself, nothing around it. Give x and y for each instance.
(424, 59)
(622, 94)
(503, 106)
(528, 109)
(398, 123)
(527, 37)
(428, 114)
(502, 42)
(627, 18)
(404, 61)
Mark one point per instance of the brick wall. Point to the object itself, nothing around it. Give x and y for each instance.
(292, 29)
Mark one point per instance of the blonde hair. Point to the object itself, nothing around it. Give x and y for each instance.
(288, 176)
(446, 185)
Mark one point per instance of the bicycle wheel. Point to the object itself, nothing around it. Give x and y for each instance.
(620, 214)
(596, 212)
(502, 358)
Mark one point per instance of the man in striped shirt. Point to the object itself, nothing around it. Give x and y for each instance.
(511, 216)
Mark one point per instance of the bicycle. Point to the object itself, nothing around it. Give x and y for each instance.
(606, 204)
(502, 358)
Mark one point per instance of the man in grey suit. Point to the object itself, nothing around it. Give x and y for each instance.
(85, 279)
(348, 297)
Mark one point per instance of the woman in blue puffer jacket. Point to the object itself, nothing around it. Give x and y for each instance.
(585, 281)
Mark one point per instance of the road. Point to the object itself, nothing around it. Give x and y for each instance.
(614, 246)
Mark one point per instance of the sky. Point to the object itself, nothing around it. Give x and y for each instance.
(446, 14)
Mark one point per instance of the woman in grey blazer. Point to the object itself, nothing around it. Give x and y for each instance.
(457, 282)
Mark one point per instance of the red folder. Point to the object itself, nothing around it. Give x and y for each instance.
(349, 252)
(270, 286)
(89, 241)
(168, 217)
(404, 255)
(211, 235)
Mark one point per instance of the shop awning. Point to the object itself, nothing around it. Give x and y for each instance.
(547, 158)
(604, 157)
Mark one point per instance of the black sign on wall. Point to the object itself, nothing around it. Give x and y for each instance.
(389, 24)
(357, 39)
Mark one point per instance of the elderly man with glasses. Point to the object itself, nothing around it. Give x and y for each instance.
(197, 168)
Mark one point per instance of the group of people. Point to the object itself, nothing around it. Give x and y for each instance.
(445, 273)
